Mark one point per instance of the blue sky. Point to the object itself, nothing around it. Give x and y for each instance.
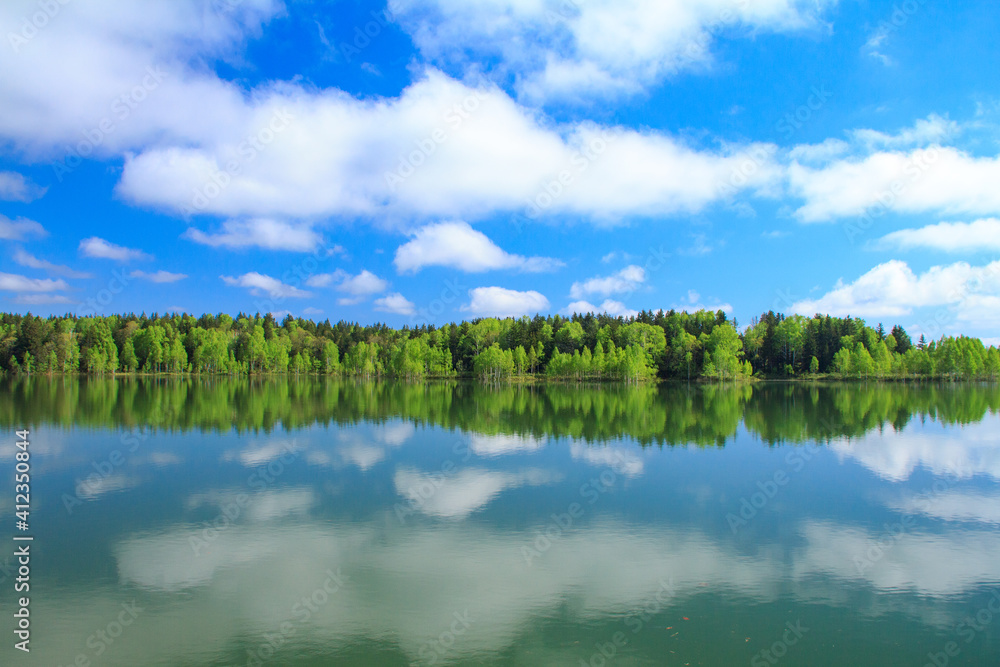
(442, 160)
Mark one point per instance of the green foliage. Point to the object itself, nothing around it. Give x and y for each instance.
(587, 348)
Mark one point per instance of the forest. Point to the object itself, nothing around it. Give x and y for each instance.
(708, 414)
(699, 346)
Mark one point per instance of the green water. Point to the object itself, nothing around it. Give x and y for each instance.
(317, 522)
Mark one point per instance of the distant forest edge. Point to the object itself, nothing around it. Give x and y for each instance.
(662, 345)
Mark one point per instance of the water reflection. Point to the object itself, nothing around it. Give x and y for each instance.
(332, 527)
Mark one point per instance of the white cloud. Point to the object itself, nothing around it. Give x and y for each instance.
(501, 302)
(101, 249)
(458, 495)
(829, 149)
(627, 280)
(261, 452)
(400, 157)
(953, 506)
(395, 303)
(502, 444)
(456, 244)
(321, 280)
(260, 232)
(260, 284)
(360, 287)
(979, 235)
(621, 461)
(897, 455)
(101, 79)
(609, 306)
(158, 277)
(893, 289)
(921, 180)
(15, 187)
(11, 282)
(601, 48)
(613, 255)
(86, 86)
(27, 259)
(16, 230)
(931, 130)
(41, 299)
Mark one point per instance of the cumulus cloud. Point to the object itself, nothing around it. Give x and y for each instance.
(266, 233)
(922, 180)
(627, 280)
(17, 230)
(260, 284)
(27, 259)
(101, 249)
(931, 130)
(158, 277)
(395, 303)
(194, 143)
(502, 302)
(457, 245)
(41, 299)
(86, 85)
(595, 49)
(360, 287)
(979, 235)
(893, 289)
(503, 444)
(15, 187)
(343, 156)
(11, 282)
(459, 495)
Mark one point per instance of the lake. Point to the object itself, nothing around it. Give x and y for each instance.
(322, 522)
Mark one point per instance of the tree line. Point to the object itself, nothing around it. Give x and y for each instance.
(661, 345)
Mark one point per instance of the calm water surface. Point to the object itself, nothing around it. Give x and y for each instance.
(315, 522)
